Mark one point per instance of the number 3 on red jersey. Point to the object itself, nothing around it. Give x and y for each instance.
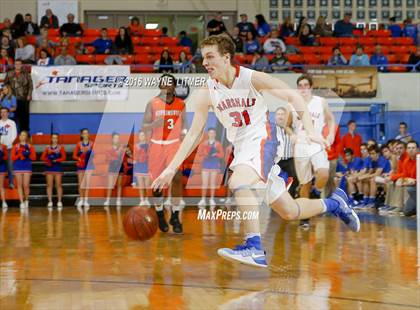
(237, 118)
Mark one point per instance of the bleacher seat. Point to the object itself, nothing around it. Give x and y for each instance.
(135, 40)
(312, 59)
(308, 49)
(403, 41)
(404, 58)
(292, 41)
(88, 40)
(53, 32)
(325, 50)
(392, 59)
(347, 41)
(91, 32)
(329, 41)
(143, 59)
(150, 41)
(85, 59)
(142, 49)
(399, 49)
(366, 41)
(152, 32)
(112, 32)
(169, 41)
(385, 41)
(347, 49)
(295, 58)
(379, 33)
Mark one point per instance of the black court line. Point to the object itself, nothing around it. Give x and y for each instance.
(224, 288)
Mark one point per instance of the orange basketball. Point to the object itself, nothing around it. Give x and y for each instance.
(140, 223)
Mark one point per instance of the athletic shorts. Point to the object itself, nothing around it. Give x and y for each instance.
(309, 159)
(160, 155)
(259, 154)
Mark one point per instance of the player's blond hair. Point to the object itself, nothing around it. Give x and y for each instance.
(223, 42)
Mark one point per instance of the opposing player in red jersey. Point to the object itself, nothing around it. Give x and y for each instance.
(165, 118)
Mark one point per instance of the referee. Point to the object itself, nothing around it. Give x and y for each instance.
(284, 156)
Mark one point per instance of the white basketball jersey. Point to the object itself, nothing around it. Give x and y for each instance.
(316, 110)
(241, 109)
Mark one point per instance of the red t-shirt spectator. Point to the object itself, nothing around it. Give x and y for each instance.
(352, 142)
(409, 168)
(400, 166)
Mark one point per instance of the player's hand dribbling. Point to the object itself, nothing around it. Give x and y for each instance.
(163, 180)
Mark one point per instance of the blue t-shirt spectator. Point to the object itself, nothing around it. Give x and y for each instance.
(356, 164)
(359, 60)
(101, 45)
(263, 30)
(395, 30)
(9, 103)
(410, 30)
(252, 46)
(367, 163)
(383, 163)
(379, 59)
(341, 168)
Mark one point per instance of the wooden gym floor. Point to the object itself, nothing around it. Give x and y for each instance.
(67, 260)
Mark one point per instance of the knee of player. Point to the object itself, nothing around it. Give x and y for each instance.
(288, 214)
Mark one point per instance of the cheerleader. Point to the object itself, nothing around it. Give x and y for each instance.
(22, 155)
(211, 151)
(53, 156)
(81, 154)
(114, 157)
(3, 170)
(141, 167)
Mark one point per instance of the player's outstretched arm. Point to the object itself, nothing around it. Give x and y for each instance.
(201, 101)
(266, 83)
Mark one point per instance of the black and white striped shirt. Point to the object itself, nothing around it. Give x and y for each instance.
(285, 147)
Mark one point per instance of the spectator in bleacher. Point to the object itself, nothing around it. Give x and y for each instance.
(79, 48)
(306, 37)
(64, 59)
(122, 43)
(134, 28)
(359, 59)
(17, 27)
(379, 166)
(216, 25)
(344, 27)
(354, 165)
(409, 178)
(379, 59)
(43, 36)
(29, 27)
(165, 64)
(6, 44)
(71, 29)
(287, 28)
(279, 63)
(410, 30)
(164, 32)
(337, 59)
(211, 151)
(273, 42)
(44, 46)
(49, 20)
(8, 100)
(184, 40)
(302, 21)
(25, 51)
(395, 28)
(322, 29)
(394, 193)
(103, 45)
(263, 28)
(184, 65)
(260, 62)
(239, 44)
(245, 26)
(352, 140)
(8, 134)
(414, 60)
(7, 23)
(45, 59)
(6, 62)
(403, 135)
(21, 83)
(251, 44)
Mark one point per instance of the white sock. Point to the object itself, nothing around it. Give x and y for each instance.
(250, 235)
(159, 208)
(176, 208)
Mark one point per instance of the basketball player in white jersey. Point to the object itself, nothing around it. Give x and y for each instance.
(236, 96)
(312, 160)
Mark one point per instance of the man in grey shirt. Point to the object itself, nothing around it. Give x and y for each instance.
(64, 59)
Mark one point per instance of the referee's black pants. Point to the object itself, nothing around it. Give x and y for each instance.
(288, 165)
